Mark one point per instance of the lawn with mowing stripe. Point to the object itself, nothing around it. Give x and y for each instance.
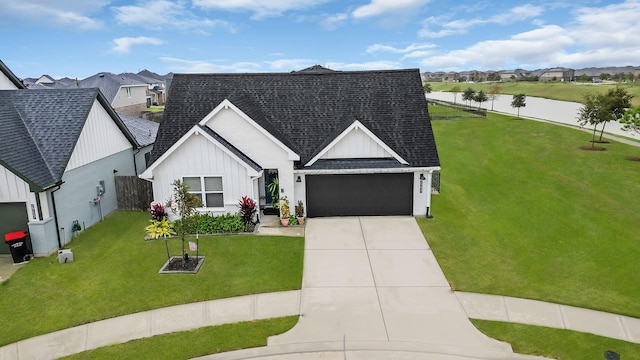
(557, 343)
(548, 90)
(195, 343)
(115, 272)
(524, 212)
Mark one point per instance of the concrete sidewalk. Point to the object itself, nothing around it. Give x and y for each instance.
(155, 322)
(531, 312)
(372, 289)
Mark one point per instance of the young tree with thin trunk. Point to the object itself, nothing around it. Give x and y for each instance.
(184, 204)
(494, 91)
(593, 113)
(468, 95)
(455, 90)
(480, 97)
(631, 120)
(616, 101)
(519, 101)
(426, 87)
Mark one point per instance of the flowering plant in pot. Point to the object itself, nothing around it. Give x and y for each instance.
(300, 212)
(285, 212)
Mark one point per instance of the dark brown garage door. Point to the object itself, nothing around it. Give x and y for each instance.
(13, 217)
(350, 195)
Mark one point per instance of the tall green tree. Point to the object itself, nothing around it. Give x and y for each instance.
(519, 101)
(184, 204)
(455, 90)
(480, 97)
(494, 91)
(468, 95)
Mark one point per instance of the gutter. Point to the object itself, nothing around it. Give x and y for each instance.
(55, 212)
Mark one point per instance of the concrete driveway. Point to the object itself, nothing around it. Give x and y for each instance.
(374, 280)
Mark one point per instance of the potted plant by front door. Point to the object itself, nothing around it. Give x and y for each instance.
(283, 204)
(300, 212)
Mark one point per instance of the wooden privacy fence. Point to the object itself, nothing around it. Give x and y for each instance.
(133, 193)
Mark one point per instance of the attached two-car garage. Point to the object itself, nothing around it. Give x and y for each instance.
(359, 194)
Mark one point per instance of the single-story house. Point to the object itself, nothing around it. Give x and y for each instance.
(342, 142)
(60, 151)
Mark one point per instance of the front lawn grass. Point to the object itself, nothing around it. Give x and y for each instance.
(524, 212)
(195, 343)
(556, 343)
(115, 272)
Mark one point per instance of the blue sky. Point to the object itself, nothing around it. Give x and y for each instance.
(78, 38)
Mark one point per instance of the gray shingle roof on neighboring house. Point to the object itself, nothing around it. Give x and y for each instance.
(12, 77)
(108, 83)
(305, 110)
(144, 131)
(40, 129)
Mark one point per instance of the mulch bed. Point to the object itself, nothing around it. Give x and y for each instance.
(178, 265)
(593, 148)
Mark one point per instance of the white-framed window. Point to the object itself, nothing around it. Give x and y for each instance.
(207, 188)
(127, 90)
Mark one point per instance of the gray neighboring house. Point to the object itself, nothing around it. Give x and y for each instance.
(343, 143)
(59, 154)
(144, 131)
(125, 94)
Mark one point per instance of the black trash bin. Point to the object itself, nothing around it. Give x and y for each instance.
(20, 246)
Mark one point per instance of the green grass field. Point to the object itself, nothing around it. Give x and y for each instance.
(557, 343)
(548, 90)
(115, 272)
(524, 212)
(195, 343)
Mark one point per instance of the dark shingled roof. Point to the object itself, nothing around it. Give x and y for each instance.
(143, 130)
(375, 163)
(40, 129)
(306, 110)
(109, 83)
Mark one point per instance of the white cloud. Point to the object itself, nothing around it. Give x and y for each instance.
(461, 26)
(290, 64)
(616, 25)
(409, 49)
(163, 14)
(260, 8)
(201, 66)
(383, 7)
(373, 65)
(65, 13)
(124, 44)
(331, 22)
(528, 48)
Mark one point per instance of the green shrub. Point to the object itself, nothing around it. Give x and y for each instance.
(210, 224)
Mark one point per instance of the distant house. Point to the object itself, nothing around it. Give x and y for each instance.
(636, 74)
(343, 143)
(59, 154)
(557, 74)
(125, 94)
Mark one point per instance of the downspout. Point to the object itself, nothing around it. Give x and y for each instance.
(135, 165)
(55, 214)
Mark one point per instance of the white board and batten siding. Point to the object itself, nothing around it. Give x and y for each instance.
(13, 189)
(5, 83)
(356, 144)
(256, 144)
(198, 156)
(99, 138)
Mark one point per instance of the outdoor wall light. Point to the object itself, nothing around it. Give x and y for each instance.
(299, 179)
(422, 177)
